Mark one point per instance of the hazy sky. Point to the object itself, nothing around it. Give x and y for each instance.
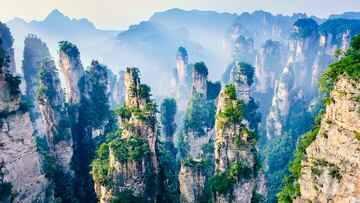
(119, 14)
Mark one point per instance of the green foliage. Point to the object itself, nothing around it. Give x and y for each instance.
(230, 91)
(222, 183)
(183, 146)
(208, 148)
(279, 150)
(357, 136)
(146, 114)
(5, 190)
(14, 83)
(133, 148)
(335, 173)
(213, 90)
(203, 165)
(49, 165)
(315, 171)
(251, 114)
(167, 117)
(336, 27)
(69, 48)
(5, 187)
(231, 113)
(251, 137)
(200, 115)
(168, 175)
(63, 131)
(25, 104)
(257, 197)
(247, 70)
(201, 68)
(307, 27)
(339, 53)
(355, 42)
(97, 106)
(123, 112)
(291, 189)
(182, 52)
(349, 65)
(125, 196)
(144, 91)
(288, 193)
(100, 165)
(47, 81)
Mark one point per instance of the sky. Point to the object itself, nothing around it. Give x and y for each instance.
(119, 14)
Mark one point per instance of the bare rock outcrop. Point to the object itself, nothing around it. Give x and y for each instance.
(7, 44)
(51, 101)
(199, 78)
(181, 81)
(197, 139)
(235, 154)
(72, 69)
(280, 104)
(21, 162)
(132, 158)
(116, 88)
(331, 170)
(268, 65)
(35, 51)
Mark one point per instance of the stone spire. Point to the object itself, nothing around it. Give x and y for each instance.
(72, 70)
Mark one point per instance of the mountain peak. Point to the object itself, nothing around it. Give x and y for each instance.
(55, 15)
(55, 12)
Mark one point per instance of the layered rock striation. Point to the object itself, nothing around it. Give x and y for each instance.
(235, 154)
(35, 51)
(196, 146)
(182, 79)
(23, 179)
(330, 169)
(131, 160)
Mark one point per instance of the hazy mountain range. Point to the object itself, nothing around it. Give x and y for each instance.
(151, 45)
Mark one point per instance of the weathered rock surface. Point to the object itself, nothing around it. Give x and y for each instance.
(34, 52)
(22, 161)
(7, 45)
(134, 174)
(280, 104)
(72, 70)
(116, 89)
(51, 101)
(234, 144)
(195, 170)
(181, 81)
(331, 170)
(268, 65)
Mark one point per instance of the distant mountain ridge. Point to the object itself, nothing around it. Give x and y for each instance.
(346, 15)
(151, 44)
(57, 27)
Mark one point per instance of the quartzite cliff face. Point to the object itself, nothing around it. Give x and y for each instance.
(331, 167)
(235, 154)
(34, 52)
(72, 70)
(132, 161)
(268, 65)
(22, 162)
(51, 101)
(197, 137)
(181, 81)
(7, 45)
